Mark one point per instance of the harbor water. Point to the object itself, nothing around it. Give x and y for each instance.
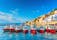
(28, 36)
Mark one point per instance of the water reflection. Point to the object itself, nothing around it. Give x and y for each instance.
(28, 36)
(21, 36)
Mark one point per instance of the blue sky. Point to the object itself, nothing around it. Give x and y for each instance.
(15, 11)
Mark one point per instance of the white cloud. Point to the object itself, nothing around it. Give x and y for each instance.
(4, 16)
(11, 18)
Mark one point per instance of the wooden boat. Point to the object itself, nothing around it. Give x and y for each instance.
(33, 31)
(42, 30)
(49, 30)
(6, 29)
(12, 29)
(17, 30)
(52, 31)
(25, 30)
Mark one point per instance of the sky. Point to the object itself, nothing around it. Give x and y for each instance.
(19, 11)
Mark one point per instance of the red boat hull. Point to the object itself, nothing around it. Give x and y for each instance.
(52, 31)
(47, 30)
(33, 32)
(6, 30)
(17, 31)
(12, 30)
(25, 31)
(42, 31)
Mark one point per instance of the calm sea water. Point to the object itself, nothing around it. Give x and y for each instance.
(29, 36)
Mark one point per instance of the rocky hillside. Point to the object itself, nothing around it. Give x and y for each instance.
(50, 18)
